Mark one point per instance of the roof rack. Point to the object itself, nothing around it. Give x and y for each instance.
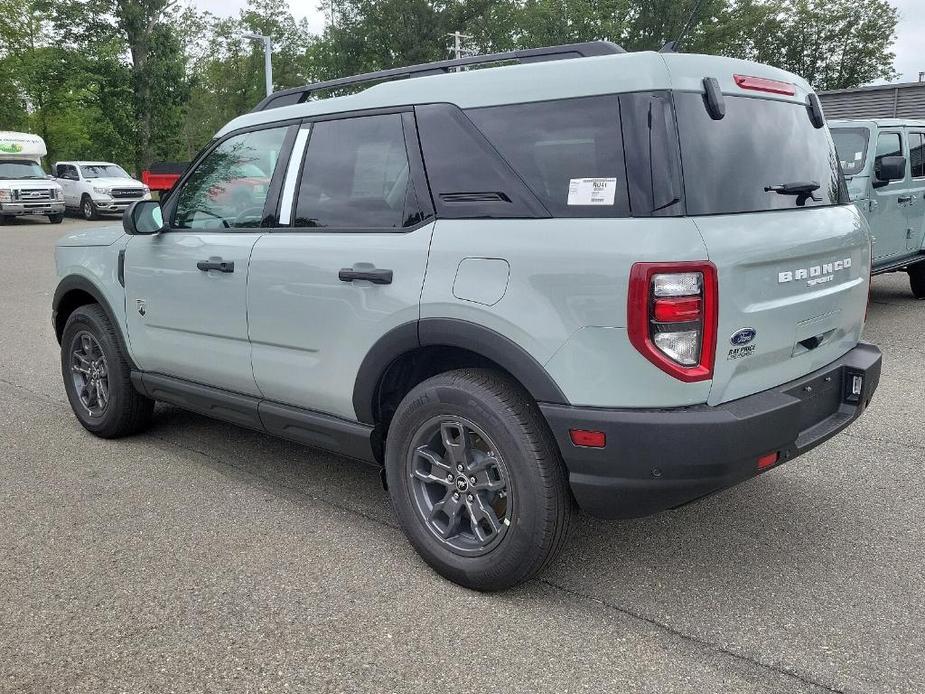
(298, 95)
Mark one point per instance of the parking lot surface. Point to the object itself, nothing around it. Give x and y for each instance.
(201, 557)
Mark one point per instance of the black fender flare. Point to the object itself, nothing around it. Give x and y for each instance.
(450, 332)
(80, 283)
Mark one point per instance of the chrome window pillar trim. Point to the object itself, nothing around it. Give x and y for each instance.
(292, 175)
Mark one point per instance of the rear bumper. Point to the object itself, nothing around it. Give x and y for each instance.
(660, 459)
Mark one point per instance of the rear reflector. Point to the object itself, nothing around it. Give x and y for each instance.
(587, 438)
(761, 84)
(767, 460)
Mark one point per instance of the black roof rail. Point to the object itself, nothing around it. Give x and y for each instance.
(298, 95)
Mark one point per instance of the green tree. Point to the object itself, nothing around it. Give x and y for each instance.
(834, 44)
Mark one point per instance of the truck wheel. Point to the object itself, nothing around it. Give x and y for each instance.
(476, 479)
(88, 209)
(96, 377)
(917, 280)
(55, 218)
(4, 219)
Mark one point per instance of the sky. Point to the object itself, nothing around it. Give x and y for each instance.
(909, 46)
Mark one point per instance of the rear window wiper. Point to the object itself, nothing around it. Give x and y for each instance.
(804, 190)
(795, 188)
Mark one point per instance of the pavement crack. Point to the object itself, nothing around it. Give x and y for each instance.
(704, 643)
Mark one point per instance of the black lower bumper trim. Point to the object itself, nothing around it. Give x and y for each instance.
(660, 459)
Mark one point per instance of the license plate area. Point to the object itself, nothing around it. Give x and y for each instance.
(820, 398)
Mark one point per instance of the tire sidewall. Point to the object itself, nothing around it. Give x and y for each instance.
(523, 539)
(83, 319)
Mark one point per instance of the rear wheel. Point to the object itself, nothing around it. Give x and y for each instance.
(917, 280)
(4, 219)
(476, 479)
(97, 377)
(87, 208)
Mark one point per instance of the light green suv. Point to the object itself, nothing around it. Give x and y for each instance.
(884, 164)
(626, 280)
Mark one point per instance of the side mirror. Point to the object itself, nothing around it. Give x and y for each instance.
(143, 217)
(889, 169)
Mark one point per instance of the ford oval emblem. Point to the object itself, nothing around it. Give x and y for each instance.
(743, 336)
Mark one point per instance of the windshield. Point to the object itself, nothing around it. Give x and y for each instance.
(19, 168)
(851, 144)
(103, 171)
(763, 155)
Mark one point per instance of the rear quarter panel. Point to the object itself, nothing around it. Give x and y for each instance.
(565, 298)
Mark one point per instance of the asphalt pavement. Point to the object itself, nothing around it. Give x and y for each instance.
(199, 557)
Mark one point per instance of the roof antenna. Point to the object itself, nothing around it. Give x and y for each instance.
(675, 46)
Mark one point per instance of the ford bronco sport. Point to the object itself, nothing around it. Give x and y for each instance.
(884, 165)
(626, 280)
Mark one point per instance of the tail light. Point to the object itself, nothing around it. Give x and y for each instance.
(672, 315)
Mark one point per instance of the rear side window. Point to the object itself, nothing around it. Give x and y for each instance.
(356, 175)
(851, 144)
(569, 152)
(888, 145)
(758, 157)
(917, 154)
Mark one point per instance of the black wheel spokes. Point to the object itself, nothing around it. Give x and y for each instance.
(460, 485)
(90, 373)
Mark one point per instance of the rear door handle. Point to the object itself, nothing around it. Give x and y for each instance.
(348, 274)
(903, 199)
(216, 264)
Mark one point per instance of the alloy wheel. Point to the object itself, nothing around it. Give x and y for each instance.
(460, 485)
(90, 373)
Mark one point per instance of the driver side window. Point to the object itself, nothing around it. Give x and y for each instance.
(229, 187)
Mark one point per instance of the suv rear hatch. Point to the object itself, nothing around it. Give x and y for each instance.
(764, 187)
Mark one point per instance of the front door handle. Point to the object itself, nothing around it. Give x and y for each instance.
(348, 274)
(216, 264)
(903, 199)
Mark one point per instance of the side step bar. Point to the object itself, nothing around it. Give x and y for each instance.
(307, 427)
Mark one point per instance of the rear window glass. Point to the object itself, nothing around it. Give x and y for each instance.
(851, 144)
(761, 146)
(569, 152)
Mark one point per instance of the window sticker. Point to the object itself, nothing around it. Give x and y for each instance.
(592, 191)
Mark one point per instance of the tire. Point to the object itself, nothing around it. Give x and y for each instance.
(509, 444)
(55, 218)
(917, 280)
(88, 209)
(124, 411)
(4, 219)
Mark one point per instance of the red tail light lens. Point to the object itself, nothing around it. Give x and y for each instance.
(677, 309)
(672, 316)
(762, 84)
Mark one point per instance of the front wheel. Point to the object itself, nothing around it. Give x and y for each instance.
(917, 280)
(55, 218)
(88, 209)
(97, 377)
(476, 479)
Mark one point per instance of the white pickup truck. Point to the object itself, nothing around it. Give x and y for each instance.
(25, 189)
(97, 187)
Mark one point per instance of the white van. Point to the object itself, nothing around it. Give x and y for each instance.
(25, 189)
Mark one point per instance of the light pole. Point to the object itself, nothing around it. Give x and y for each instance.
(267, 58)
